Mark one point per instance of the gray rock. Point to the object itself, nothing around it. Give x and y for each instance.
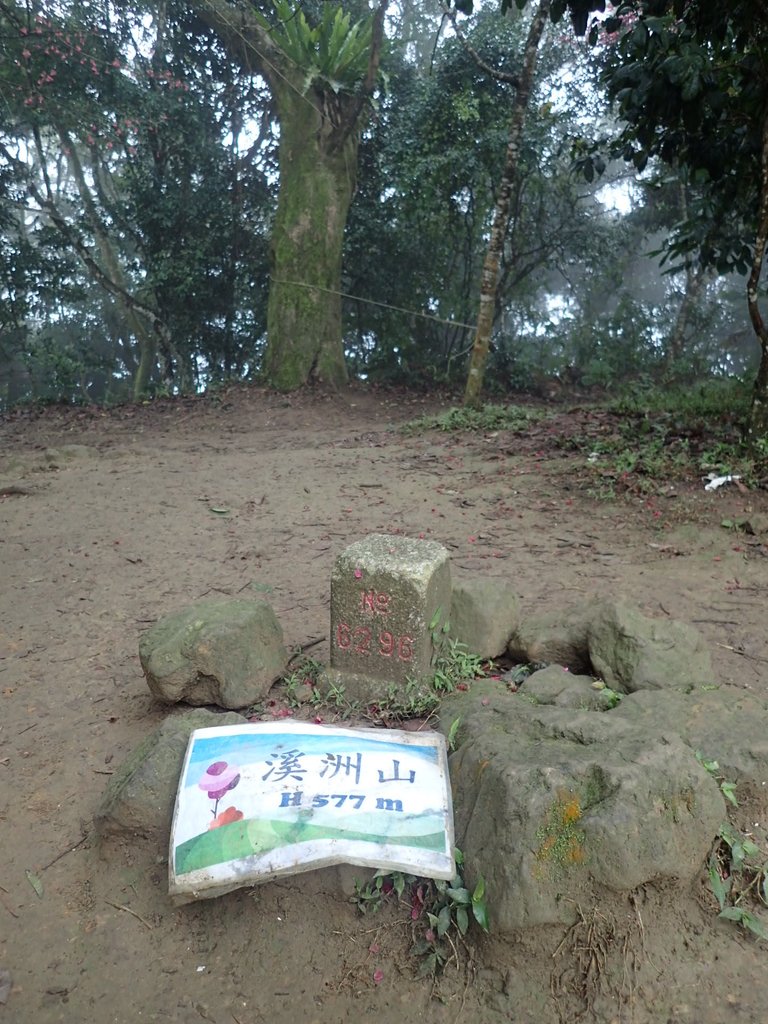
(618, 644)
(725, 724)
(632, 652)
(557, 686)
(554, 637)
(227, 653)
(756, 524)
(484, 614)
(555, 807)
(141, 795)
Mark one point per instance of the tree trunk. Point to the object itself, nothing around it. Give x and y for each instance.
(694, 280)
(757, 424)
(318, 161)
(319, 139)
(113, 270)
(493, 254)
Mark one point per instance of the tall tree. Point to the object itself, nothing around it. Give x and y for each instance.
(690, 80)
(489, 281)
(116, 125)
(322, 77)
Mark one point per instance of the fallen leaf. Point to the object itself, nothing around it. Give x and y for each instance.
(35, 882)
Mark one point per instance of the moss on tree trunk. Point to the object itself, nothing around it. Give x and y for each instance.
(318, 161)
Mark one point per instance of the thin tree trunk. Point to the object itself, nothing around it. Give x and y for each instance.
(694, 279)
(493, 254)
(757, 425)
(109, 276)
(111, 263)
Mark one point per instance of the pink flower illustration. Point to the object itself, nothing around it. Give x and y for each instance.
(217, 780)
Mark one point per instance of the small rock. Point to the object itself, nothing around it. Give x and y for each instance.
(141, 795)
(227, 653)
(555, 638)
(484, 614)
(632, 652)
(562, 689)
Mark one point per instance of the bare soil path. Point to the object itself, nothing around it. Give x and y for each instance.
(97, 543)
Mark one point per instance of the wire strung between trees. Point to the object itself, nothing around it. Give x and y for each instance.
(374, 302)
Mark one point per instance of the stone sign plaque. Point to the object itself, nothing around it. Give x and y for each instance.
(387, 593)
(263, 800)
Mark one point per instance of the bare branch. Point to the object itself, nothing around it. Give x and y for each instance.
(245, 38)
(500, 76)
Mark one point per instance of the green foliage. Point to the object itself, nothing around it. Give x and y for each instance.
(453, 733)
(162, 121)
(454, 667)
(440, 911)
(715, 401)
(334, 51)
(612, 698)
(146, 179)
(301, 682)
(660, 435)
(728, 789)
(737, 868)
(418, 229)
(488, 417)
(690, 87)
(738, 875)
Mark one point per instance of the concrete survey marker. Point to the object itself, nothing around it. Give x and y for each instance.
(386, 592)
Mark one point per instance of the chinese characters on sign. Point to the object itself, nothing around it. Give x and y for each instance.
(262, 800)
(356, 800)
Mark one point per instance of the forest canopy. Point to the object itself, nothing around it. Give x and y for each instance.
(295, 193)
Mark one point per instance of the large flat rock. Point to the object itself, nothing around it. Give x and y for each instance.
(554, 806)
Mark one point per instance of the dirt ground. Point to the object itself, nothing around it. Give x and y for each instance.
(95, 547)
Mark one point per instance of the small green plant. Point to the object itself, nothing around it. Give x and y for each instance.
(452, 660)
(728, 789)
(738, 872)
(300, 684)
(611, 698)
(454, 667)
(440, 911)
(737, 869)
(456, 664)
(452, 733)
(335, 696)
(402, 701)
